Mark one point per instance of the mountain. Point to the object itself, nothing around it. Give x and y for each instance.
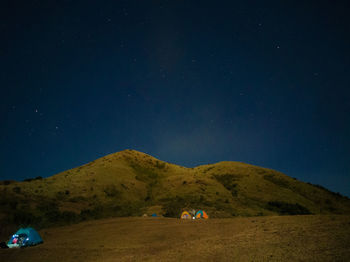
(131, 183)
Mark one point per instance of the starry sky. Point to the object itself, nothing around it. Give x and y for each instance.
(189, 82)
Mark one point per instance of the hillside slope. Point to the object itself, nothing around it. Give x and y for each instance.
(131, 183)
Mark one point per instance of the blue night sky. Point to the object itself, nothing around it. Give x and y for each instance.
(189, 82)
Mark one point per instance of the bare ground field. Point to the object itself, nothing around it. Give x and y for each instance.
(277, 238)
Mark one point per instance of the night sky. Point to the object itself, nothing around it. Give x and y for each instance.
(189, 82)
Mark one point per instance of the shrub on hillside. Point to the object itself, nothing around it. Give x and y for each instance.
(284, 208)
(208, 169)
(127, 209)
(111, 191)
(32, 179)
(144, 174)
(160, 165)
(172, 207)
(47, 206)
(13, 204)
(260, 171)
(228, 181)
(16, 189)
(277, 181)
(24, 218)
(6, 182)
(60, 195)
(8, 202)
(117, 210)
(335, 194)
(86, 214)
(77, 199)
(68, 217)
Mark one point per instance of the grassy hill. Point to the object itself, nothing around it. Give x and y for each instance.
(131, 183)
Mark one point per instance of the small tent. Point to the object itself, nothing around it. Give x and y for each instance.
(201, 214)
(25, 237)
(185, 215)
(154, 215)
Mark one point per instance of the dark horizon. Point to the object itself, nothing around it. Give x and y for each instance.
(261, 83)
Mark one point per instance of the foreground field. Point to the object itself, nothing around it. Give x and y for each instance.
(278, 238)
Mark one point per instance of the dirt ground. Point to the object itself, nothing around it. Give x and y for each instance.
(284, 238)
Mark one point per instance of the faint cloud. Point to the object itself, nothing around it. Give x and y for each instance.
(194, 147)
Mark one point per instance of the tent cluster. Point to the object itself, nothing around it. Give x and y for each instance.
(25, 237)
(153, 215)
(194, 215)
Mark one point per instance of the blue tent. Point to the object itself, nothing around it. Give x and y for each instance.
(25, 237)
(154, 215)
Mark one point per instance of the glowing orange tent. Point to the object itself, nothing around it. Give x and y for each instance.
(185, 215)
(201, 214)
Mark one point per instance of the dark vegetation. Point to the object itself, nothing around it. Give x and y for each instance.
(46, 213)
(173, 206)
(22, 210)
(121, 209)
(335, 194)
(277, 181)
(17, 190)
(150, 176)
(284, 208)
(111, 191)
(7, 182)
(229, 182)
(160, 165)
(32, 179)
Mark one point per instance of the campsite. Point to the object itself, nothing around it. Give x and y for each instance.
(275, 238)
(130, 206)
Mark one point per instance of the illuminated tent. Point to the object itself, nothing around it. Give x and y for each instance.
(185, 215)
(201, 214)
(25, 237)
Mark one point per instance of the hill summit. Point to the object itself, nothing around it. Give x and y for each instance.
(131, 183)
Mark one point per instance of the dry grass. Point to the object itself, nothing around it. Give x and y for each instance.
(277, 238)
